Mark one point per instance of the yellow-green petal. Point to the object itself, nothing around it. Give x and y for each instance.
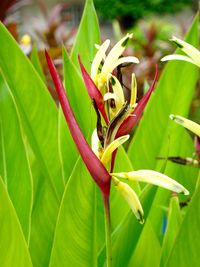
(178, 57)
(188, 124)
(131, 198)
(114, 54)
(100, 55)
(95, 142)
(122, 60)
(153, 177)
(118, 91)
(106, 157)
(133, 91)
(187, 48)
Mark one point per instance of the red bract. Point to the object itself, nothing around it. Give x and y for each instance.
(131, 121)
(93, 164)
(93, 91)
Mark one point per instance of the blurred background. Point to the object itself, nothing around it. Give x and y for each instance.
(41, 24)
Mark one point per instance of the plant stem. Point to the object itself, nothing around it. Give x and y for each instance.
(106, 202)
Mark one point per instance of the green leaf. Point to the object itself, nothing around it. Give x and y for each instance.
(43, 218)
(147, 252)
(185, 251)
(75, 235)
(39, 116)
(173, 224)
(88, 35)
(36, 63)
(14, 165)
(173, 94)
(128, 232)
(158, 136)
(13, 247)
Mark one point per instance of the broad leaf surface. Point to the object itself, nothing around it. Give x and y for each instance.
(88, 35)
(37, 110)
(173, 222)
(13, 247)
(185, 251)
(14, 165)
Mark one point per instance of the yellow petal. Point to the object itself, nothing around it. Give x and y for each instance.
(188, 124)
(153, 177)
(133, 91)
(106, 157)
(118, 91)
(187, 48)
(100, 55)
(95, 142)
(131, 198)
(114, 54)
(178, 57)
(125, 60)
(109, 96)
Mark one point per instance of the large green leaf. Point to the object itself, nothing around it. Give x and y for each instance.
(36, 62)
(80, 228)
(75, 236)
(88, 35)
(43, 218)
(185, 251)
(13, 247)
(38, 112)
(158, 136)
(173, 94)
(14, 165)
(147, 252)
(173, 222)
(128, 232)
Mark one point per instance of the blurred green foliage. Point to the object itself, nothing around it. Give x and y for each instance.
(129, 11)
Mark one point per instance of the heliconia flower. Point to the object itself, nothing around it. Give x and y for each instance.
(193, 55)
(137, 112)
(153, 177)
(93, 164)
(130, 196)
(99, 159)
(102, 65)
(188, 124)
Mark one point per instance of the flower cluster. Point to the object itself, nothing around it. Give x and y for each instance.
(120, 113)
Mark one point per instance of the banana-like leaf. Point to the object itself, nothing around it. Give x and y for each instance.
(126, 235)
(36, 62)
(13, 247)
(173, 94)
(80, 230)
(147, 252)
(152, 139)
(76, 232)
(14, 164)
(43, 218)
(173, 222)
(185, 251)
(39, 116)
(88, 35)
